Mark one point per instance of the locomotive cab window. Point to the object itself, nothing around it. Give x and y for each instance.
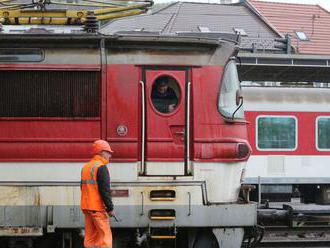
(21, 55)
(165, 94)
(276, 133)
(323, 133)
(230, 99)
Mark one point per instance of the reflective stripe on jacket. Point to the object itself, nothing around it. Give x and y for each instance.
(90, 196)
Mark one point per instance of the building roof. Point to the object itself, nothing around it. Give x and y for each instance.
(288, 18)
(196, 17)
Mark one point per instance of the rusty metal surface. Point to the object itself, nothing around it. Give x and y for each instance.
(282, 237)
(39, 196)
(37, 206)
(21, 231)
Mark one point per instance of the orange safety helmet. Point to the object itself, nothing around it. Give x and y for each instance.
(101, 145)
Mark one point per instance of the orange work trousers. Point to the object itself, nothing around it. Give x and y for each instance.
(97, 230)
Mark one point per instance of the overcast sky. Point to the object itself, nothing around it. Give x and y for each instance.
(323, 3)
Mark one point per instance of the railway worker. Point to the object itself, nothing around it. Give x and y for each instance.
(163, 96)
(96, 202)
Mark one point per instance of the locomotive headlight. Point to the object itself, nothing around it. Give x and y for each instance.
(229, 150)
(243, 150)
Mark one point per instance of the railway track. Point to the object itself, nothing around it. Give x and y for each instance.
(295, 225)
(301, 237)
(317, 244)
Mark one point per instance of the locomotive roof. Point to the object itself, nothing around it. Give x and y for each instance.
(35, 39)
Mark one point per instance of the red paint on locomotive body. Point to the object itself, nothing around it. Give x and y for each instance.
(123, 108)
(165, 131)
(48, 67)
(47, 139)
(306, 141)
(208, 128)
(212, 138)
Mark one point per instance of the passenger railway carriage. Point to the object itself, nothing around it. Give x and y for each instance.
(176, 174)
(289, 132)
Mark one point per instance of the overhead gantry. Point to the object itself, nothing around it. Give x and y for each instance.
(52, 12)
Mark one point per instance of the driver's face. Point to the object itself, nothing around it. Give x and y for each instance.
(162, 88)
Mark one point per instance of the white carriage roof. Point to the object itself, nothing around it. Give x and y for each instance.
(286, 99)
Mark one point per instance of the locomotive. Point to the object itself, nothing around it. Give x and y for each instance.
(176, 172)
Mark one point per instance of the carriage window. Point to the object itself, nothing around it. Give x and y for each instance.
(165, 94)
(49, 93)
(229, 105)
(323, 133)
(21, 54)
(276, 132)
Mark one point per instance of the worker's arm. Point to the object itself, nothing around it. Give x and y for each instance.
(103, 182)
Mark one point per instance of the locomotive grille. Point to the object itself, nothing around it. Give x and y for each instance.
(49, 93)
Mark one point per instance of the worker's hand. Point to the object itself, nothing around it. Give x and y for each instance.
(171, 107)
(111, 213)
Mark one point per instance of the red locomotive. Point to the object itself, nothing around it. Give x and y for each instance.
(178, 161)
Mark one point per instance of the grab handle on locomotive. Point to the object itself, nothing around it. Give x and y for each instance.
(143, 130)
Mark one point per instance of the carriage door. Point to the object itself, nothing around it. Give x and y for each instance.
(165, 129)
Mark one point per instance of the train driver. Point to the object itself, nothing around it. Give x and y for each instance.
(96, 202)
(163, 96)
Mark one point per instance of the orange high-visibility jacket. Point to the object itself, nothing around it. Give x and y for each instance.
(90, 196)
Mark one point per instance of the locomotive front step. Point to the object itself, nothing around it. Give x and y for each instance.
(162, 195)
(169, 233)
(162, 214)
(163, 236)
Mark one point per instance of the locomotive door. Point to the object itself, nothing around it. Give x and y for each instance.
(165, 122)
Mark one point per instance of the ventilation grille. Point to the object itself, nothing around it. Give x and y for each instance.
(49, 93)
